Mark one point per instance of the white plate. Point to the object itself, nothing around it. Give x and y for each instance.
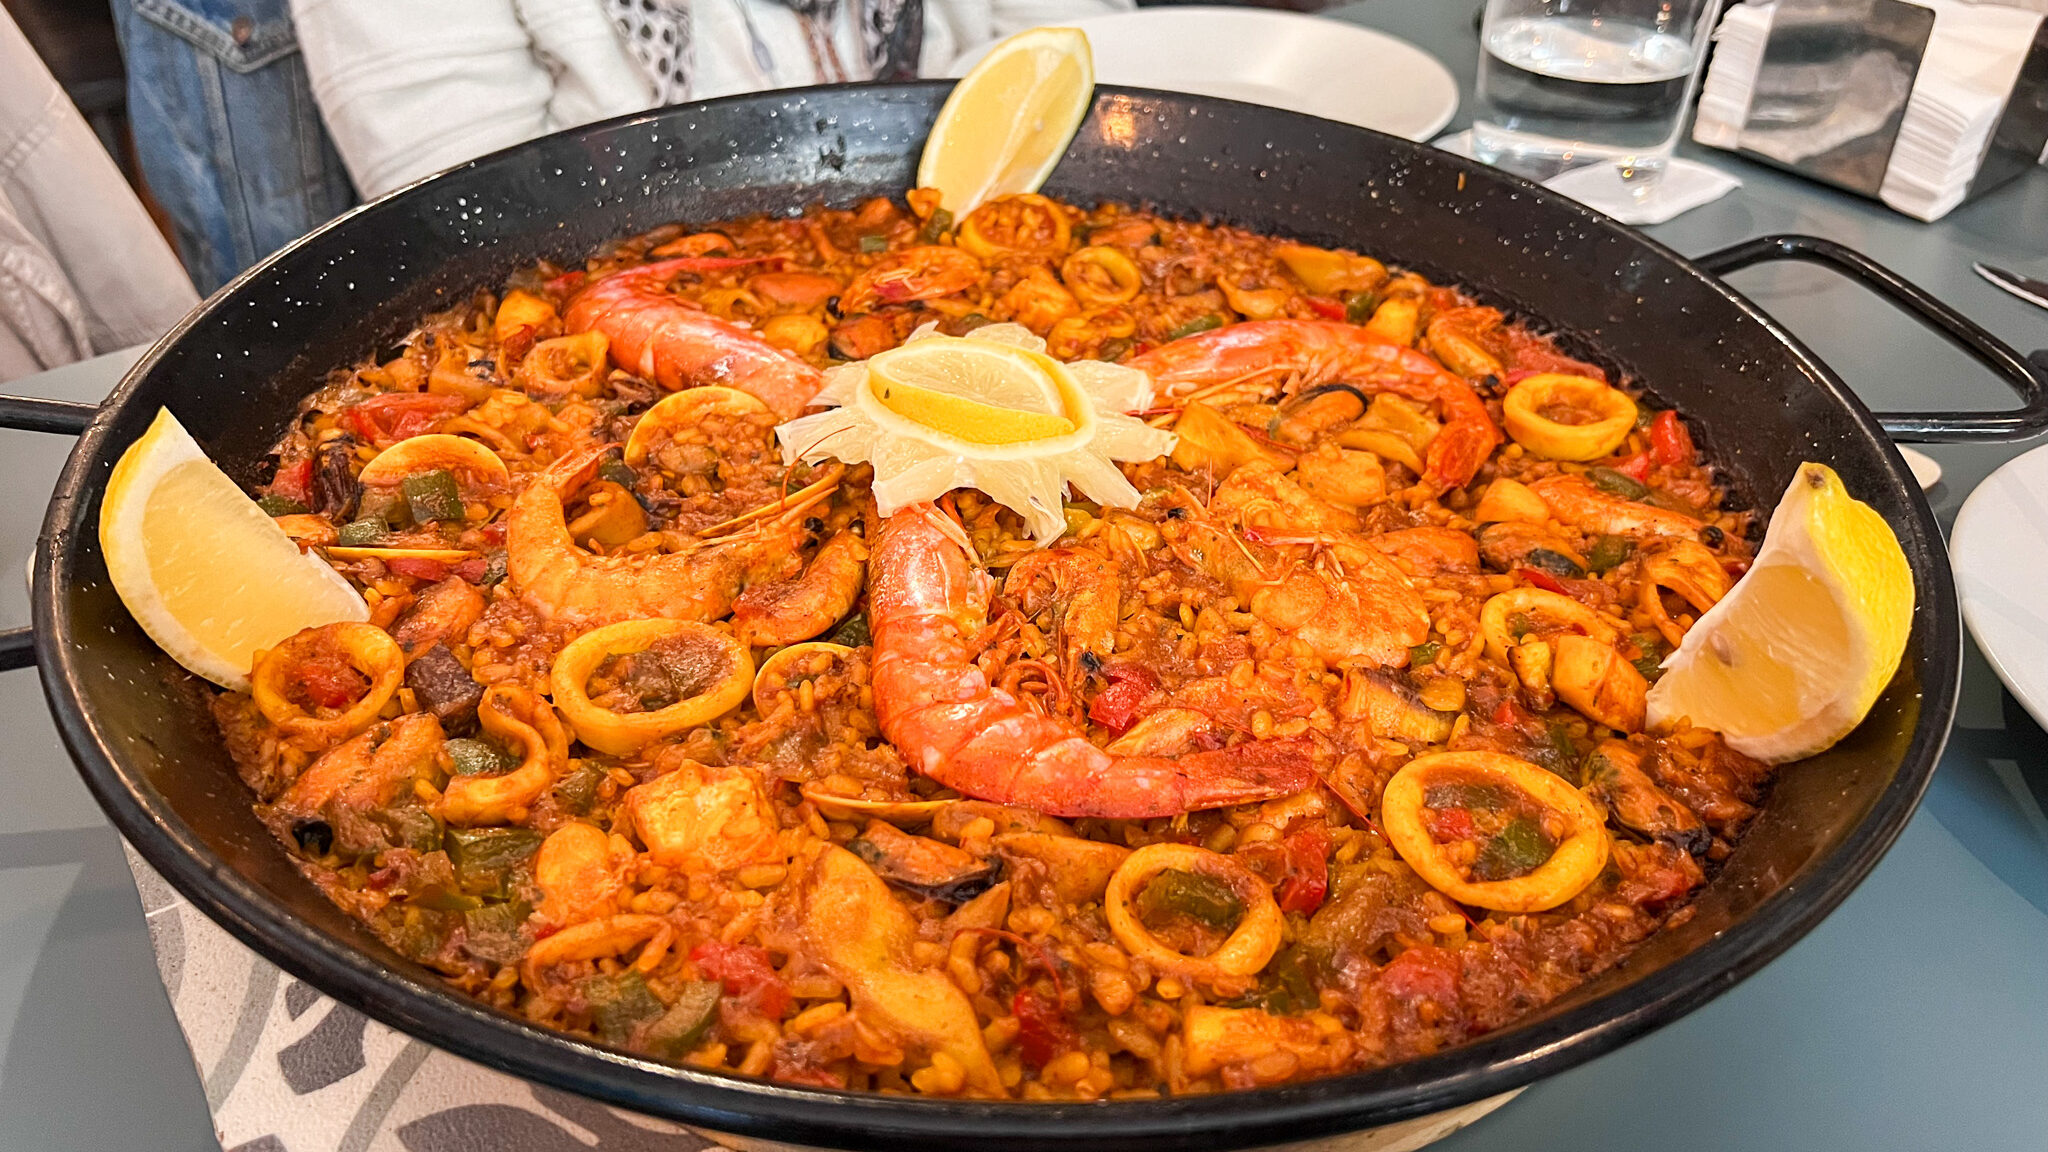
(2000, 552)
(1322, 67)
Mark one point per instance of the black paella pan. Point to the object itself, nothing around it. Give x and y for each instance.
(1757, 400)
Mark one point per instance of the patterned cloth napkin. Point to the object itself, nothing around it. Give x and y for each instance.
(288, 1070)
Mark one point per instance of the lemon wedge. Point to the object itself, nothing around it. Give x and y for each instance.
(201, 568)
(974, 391)
(1010, 119)
(989, 411)
(1795, 656)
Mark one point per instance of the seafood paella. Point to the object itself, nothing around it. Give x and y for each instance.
(1303, 732)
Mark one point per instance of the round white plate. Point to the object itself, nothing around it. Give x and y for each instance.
(1302, 63)
(2000, 552)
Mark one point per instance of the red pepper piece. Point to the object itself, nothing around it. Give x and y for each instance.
(1541, 579)
(1669, 441)
(746, 973)
(1116, 707)
(432, 571)
(1325, 307)
(385, 420)
(1636, 467)
(472, 569)
(1451, 824)
(294, 481)
(1042, 1029)
(330, 681)
(1308, 879)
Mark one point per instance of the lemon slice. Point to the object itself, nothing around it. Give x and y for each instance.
(1009, 121)
(974, 391)
(990, 411)
(201, 568)
(1795, 656)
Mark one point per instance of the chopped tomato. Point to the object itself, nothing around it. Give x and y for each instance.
(1042, 1029)
(1669, 441)
(1636, 467)
(1308, 862)
(473, 569)
(433, 571)
(330, 681)
(1325, 307)
(747, 974)
(385, 420)
(1541, 579)
(1116, 707)
(1451, 824)
(294, 481)
(1424, 973)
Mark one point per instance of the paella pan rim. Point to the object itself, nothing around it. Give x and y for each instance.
(417, 1003)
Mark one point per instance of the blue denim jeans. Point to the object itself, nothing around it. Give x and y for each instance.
(226, 131)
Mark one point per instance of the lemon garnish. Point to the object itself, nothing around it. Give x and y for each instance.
(989, 410)
(1009, 120)
(201, 568)
(973, 390)
(1796, 655)
(968, 420)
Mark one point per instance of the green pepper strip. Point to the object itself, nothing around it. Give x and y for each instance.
(1619, 484)
(1178, 892)
(1198, 324)
(619, 1003)
(433, 496)
(1359, 307)
(1520, 849)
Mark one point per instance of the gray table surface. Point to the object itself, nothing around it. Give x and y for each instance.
(1914, 1017)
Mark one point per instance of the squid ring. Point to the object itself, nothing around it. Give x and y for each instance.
(1612, 415)
(436, 450)
(1574, 864)
(368, 649)
(1537, 603)
(1250, 945)
(1023, 224)
(1100, 276)
(567, 365)
(624, 733)
(686, 409)
(516, 716)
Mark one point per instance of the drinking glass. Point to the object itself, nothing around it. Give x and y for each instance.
(1564, 84)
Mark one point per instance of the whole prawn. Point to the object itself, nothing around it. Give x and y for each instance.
(926, 602)
(552, 572)
(1286, 356)
(659, 337)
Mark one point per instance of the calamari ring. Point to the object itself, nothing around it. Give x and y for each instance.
(368, 649)
(1021, 225)
(567, 365)
(436, 450)
(1099, 276)
(1537, 602)
(515, 715)
(1522, 412)
(1576, 862)
(1233, 965)
(1555, 439)
(679, 411)
(624, 733)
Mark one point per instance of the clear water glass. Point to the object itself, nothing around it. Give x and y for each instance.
(1564, 84)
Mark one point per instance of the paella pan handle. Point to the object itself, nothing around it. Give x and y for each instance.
(1919, 427)
(28, 414)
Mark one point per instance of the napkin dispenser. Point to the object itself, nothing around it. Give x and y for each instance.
(1918, 105)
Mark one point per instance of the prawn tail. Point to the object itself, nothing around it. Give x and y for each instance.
(1245, 773)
